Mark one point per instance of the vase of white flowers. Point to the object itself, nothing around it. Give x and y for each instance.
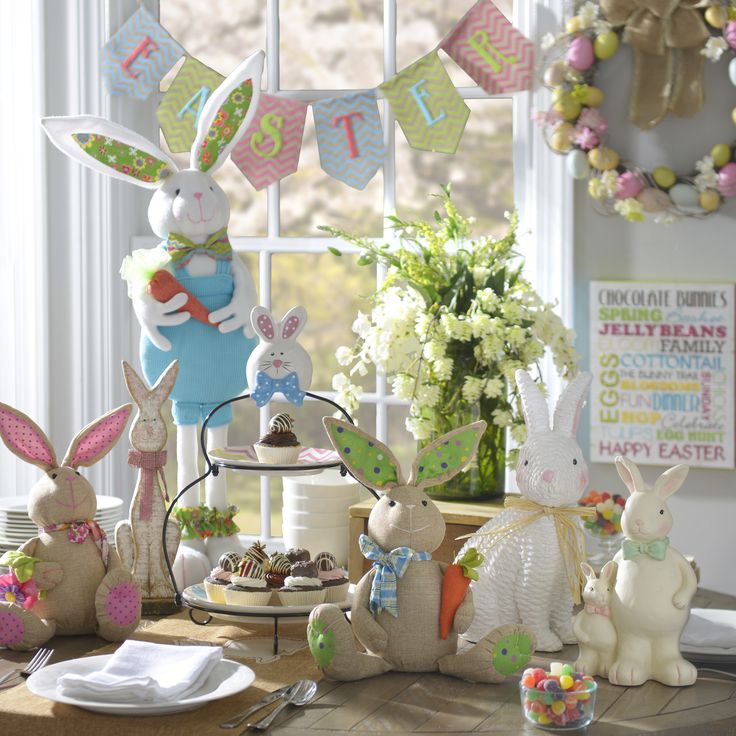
(451, 324)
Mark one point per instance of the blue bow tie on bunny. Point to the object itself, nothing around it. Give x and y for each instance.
(657, 549)
(266, 387)
(389, 566)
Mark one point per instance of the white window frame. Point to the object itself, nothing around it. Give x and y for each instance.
(109, 212)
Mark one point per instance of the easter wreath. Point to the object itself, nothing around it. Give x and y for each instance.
(660, 32)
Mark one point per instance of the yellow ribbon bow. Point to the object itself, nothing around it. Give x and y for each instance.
(667, 36)
(569, 534)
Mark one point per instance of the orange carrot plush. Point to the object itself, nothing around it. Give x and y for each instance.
(164, 285)
(454, 586)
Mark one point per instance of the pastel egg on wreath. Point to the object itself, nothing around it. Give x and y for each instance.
(577, 164)
(567, 106)
(730, 34)
(605, 45)
(654, 200)
(630, 184)
(592, 97)
(555, 74)
(580, 55)
(721, 153)
(710, 200)
(561, 138)
(732, 69)
(574, 24)
(603, 158)
(664, 177)
(716, 16)
(727, 180)
(685, 196)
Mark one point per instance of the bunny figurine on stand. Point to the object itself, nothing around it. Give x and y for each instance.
(138, 539)
(533, 549)
(398, 605)
(191, 294)
(650, 604)
(83, 587)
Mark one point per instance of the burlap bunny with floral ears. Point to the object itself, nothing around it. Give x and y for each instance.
(84, 586)
(396, 607)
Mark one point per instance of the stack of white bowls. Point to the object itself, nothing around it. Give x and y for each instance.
(315, 512)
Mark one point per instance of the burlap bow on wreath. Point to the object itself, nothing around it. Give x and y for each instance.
(667, 36)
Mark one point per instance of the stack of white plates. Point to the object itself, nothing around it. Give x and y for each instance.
(16, 527)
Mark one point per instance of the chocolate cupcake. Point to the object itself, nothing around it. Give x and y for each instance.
(215, 583)
(280, 445)
(336, 585)
(247, 591)
(279, 568)
(297, 555)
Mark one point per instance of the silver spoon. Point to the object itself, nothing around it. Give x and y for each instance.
(299, 694)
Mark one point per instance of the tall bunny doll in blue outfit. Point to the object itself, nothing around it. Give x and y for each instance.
(191, 294)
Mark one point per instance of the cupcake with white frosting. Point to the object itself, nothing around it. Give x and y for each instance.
(280, 445)
(249, 587)
(302, 587)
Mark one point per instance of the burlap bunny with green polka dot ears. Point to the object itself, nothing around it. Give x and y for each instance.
(396, 605)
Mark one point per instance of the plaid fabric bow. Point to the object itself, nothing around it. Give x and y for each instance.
(657, 549)
(78, 531)
(181, 249)
(389, 566)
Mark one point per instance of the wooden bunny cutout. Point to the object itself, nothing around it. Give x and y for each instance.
(87, 590)
(139, 538)
(396, 608)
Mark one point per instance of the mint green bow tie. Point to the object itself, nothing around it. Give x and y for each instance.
(657, 549)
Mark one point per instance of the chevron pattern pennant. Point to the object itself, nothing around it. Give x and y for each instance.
(138, 56)
(350, 137)
(269, 150)
(427, 106)
(491, 50)
(182, 104)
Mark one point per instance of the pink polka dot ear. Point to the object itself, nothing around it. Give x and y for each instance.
(98, 438)
(25, 438)
(265, 325)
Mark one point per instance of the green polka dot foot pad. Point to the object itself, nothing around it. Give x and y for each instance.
(512, 652)
(321, 641)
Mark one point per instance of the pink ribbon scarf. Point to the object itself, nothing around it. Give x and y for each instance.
(601, 610)
(150, 464)
(78, 531)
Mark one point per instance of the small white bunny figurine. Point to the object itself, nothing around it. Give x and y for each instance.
(207, 326)
(654, 585)
(593, 626)
(279, 364)
(138, 539)
(524, 578)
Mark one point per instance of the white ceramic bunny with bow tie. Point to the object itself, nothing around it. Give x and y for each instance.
(190, 212)
(654, 585)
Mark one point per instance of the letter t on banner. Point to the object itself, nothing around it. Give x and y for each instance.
(428, 107)
(350, 137)
(491, 50)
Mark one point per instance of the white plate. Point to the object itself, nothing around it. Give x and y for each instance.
(226, 679)
(311, 460)
(18, 505)
(196, 595)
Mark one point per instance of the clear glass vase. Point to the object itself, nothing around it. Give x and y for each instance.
(602, 548)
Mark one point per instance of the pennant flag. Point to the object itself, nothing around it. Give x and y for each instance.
(491, 50)
(137, 57)
(269, 149)
(182, 104)
(350, 137)
(427, 106)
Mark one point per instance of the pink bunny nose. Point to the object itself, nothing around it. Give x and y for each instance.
(278, 363)
(198, 195)
(548, 476)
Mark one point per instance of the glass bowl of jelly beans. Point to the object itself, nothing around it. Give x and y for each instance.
(558, 700)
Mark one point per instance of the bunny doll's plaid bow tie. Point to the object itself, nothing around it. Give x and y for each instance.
(181, 249)
(266, 387)
(78, 531)
(656, 549)
(389, 566)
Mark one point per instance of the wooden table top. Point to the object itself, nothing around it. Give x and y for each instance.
(404, 703)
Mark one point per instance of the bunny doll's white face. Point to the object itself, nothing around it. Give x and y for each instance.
(189, 203)
(646, 517)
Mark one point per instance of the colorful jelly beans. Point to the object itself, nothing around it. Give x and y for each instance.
(559, 699)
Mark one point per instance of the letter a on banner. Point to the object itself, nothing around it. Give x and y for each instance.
(182, 104)
(350, 137)
(428, 107)
(138, 56)
(491, 50)
(269, 149)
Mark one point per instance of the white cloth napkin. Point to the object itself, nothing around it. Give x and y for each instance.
(140, 671)
(710, 627)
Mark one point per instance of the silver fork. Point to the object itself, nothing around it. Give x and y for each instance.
(40, 659)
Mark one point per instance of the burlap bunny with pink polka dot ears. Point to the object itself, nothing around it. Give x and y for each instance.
(82, 586)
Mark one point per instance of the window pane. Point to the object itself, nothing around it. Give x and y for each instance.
(332, 289)
(331, 45)
(481, 172)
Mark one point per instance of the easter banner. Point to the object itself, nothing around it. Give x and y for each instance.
(662, 357)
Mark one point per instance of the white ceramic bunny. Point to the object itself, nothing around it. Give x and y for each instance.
(86, 588)
(138, 538)
(654, 585)
(279, 364)
(524, 577)
(190, 212)
(593, 626)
